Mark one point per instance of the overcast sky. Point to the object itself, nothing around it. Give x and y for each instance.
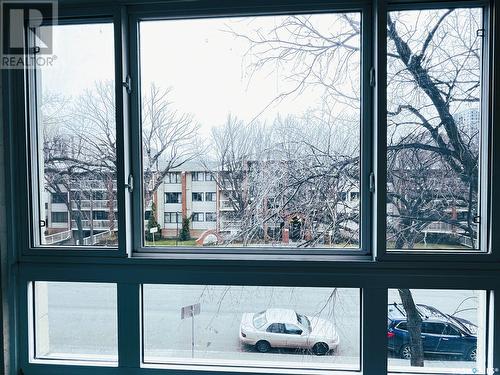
(202, 63)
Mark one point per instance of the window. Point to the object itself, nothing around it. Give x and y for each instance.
(260, 127)
(100, 215)
(292, 329)
(76, 321)
(75, 122)
(59, 217)
(173, 178)
(434, 96)
(173, 197)
(277, 135)
(449, 324)
(59, 197)
(171, 217)
(210, 197)
(276, 328)
(197, 216)
(197, 176)
(249, 325)
(211, 216)
(197, 197)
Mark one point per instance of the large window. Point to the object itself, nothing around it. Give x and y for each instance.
(434, 97)
(304, 188)
(436, 329)
(76, 321)
(76, 135)
(273, 115)
(236, 325)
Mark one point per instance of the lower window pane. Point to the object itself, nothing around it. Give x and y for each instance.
(436, 330)
(252, 326)
(75, 321)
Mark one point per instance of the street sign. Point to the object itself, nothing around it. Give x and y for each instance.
(153, 230)
(190, 311)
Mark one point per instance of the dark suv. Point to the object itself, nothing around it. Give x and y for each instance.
(442, 333)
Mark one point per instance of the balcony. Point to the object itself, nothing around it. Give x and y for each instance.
(95, 205)
(97, 224)
(226, 206)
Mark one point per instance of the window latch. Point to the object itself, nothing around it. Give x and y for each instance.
(480, 32)
(372, 182)
(130, 184)
(476, 219)
(42, 223)
(128, 84)
(372, 76)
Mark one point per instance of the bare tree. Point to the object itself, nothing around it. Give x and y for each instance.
(169, 139)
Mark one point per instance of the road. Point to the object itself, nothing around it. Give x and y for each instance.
(82, 320)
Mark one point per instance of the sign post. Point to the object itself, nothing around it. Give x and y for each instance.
(153, 231)
(189, 312)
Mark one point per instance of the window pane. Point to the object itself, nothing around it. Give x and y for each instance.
(436, 330)
(434, 128)
(76, 321)
(264, 112)
(77, 139)
(244, 325)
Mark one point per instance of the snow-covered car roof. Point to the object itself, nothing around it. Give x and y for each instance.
(281, 316)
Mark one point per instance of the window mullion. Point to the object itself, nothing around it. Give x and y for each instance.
(129, 325)
(122, 132)
(374, 331)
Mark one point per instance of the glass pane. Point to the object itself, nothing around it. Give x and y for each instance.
(76, 147)
(434, 128)
(76, 321)
(436, 330)
(251, 131)
(252, 326)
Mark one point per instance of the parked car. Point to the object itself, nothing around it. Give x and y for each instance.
(285, 328)
(442, 334)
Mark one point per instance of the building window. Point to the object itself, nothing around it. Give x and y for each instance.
(100, 215)
(59, 197)
(197, 216)
(173, 197)
(434, 96)
(173, 178)
(59, 217)
(209, 176)
(197, 197)
(211, 216)
(171, 217)
(210, 197)
(198, 176)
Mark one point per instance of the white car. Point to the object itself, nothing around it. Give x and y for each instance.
(284, 328)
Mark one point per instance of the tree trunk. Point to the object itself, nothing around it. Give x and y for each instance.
(414, 323)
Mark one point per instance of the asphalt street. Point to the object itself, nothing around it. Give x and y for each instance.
(82, 322)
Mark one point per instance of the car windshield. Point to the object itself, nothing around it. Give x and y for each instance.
(259, 320)
(304, 322)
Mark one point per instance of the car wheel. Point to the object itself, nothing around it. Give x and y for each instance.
(263, 346)
(471, 355)
(320, 348)
(405, 352)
